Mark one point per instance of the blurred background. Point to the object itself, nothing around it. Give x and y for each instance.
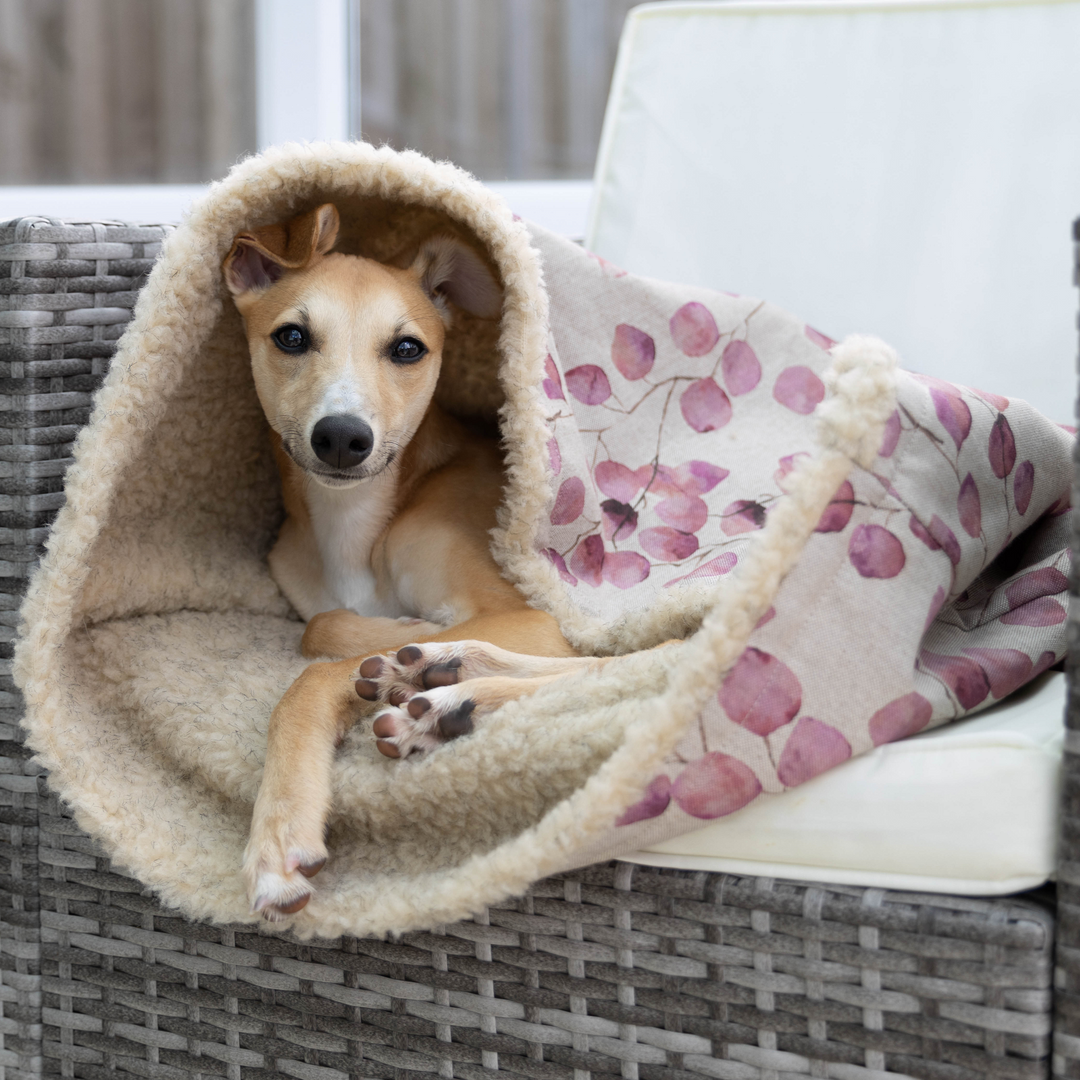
(176, 91)
(904, 168)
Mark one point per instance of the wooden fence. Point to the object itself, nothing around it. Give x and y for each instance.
(509, 89)
(100, 91)
(112, 91)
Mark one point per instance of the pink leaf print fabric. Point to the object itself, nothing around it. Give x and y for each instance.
(714, 786)
(633, 352)
(875, 552)
(1002, 448)
(812, 748)
(677, 421)
(762, 693)
(799, 389)
(742, 371)
(693, 329)
(705, 406)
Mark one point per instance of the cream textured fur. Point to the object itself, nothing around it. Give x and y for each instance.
(155, 644)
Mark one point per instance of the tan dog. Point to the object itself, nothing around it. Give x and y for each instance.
(385, 548)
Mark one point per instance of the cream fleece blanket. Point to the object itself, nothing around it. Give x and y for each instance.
(863, 554)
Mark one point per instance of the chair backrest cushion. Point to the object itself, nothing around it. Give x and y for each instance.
(905, 169)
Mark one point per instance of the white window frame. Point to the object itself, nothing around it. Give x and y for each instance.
(302, 63)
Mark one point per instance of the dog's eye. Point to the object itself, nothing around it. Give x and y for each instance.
(291, 338)
(407, 350)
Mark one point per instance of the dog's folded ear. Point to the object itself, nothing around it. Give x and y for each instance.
(447, 269)
(259, 257)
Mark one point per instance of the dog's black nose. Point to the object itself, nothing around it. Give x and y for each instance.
(342, 441)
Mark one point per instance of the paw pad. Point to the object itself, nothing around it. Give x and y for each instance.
(459, 722)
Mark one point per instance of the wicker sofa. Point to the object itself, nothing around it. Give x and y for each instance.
(616, 970)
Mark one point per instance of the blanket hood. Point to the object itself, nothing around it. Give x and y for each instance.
(681, 463)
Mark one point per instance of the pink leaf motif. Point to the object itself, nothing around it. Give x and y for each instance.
(964, 677)
(617, 481)
(660, 480)
(891, 435)
(766, 618)
(996, 400)
(1062, 506)
(715, 785)
(1041, 612)
(818, 338)
(742, 516)
(560, 564)
(589, 384)
(625, 569)
(705, 407)
(1048, 581)
(619, 520)
(838, 513)
(632, 351)
(1006, 669)
(760, 693)
(654, 802)
(969, 506)
(905, 716)
(693, 329)
(741, 368)
(1002, 448)
(799, 389)
(554, 456)
(569, 502)
(935, 606)
(953, 412)
(588, 560)
(687, 513)
(717, 567)
(668, 544)
(812, 748)
(787, 466)
(888, 485)
(1023, 486)
(608, 269)
(875, 552)
(939, 537)
(698, 477)
(552, 384)
(934, 381)
(1046, 661)
(1068, 428)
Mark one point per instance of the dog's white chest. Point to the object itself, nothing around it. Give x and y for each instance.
(346, 525)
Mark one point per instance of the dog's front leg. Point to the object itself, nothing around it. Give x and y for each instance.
(286, 846)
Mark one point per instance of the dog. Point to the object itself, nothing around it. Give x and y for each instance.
(389, 502)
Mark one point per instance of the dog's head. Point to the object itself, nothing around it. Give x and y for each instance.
(346, 351)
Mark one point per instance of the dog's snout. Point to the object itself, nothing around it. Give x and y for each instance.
(342, 441)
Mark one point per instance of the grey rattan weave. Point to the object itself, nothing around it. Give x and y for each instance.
(1067, 976)
(66, 293)
(612, 971)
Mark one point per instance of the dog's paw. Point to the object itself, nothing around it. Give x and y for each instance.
(279, 862)
(425, 721)
(396, 677)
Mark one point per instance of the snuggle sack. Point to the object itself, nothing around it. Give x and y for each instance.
(852, 554)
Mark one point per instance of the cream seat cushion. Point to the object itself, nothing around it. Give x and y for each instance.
(969, 808)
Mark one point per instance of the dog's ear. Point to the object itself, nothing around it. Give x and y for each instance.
(447, 269)
(258, 258)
